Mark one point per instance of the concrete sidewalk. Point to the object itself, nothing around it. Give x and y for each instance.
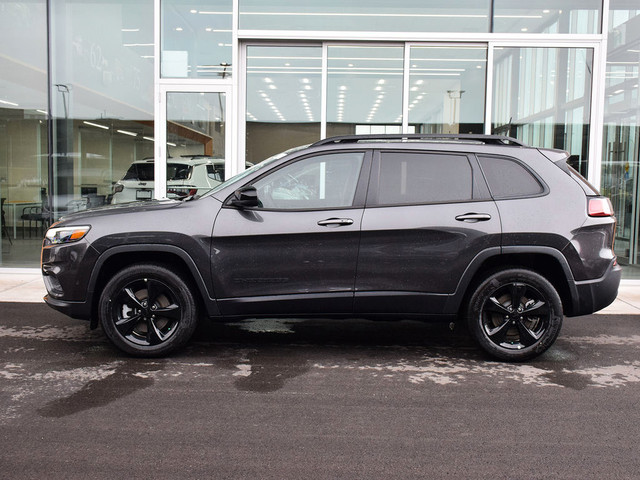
(26, 285)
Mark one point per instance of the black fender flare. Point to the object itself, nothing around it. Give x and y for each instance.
(207, 296)
(455, 300)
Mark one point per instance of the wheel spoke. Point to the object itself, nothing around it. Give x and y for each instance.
(527, 337)
(174, 312)
(154, 335)
(126, 325)
(517, 291)
(132, 296)
(152, 291)
(537, 307)
(493, 305)
(499, 333)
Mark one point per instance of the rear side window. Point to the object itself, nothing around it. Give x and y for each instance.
(215, 173)
(407, 178)
(178, 171)
(508, 178)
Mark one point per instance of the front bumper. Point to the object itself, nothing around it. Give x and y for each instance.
(79, 310)
(594, 295)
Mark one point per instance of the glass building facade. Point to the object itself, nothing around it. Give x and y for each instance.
(88, 88)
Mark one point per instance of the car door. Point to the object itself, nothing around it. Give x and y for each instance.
(297, 251)
(428, 215)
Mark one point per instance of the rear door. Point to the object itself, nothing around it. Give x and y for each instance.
(428, 215)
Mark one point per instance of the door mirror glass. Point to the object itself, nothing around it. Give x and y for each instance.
(245, 197)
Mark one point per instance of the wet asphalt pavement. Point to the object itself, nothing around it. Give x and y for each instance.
(293, 399)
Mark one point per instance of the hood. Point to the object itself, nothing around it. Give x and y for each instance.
(133, 207)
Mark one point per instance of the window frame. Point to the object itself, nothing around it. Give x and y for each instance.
(541, 182)
(361, 184)
(480, 190)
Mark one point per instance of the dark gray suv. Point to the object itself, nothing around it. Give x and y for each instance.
(474, 227)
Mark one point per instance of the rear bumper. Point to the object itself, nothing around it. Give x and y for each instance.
(594, 295)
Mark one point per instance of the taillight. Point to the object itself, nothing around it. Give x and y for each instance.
(600, 207)
(182, 192)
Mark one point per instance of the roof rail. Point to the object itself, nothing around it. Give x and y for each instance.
(447, 137)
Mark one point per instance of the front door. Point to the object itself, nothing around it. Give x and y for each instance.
(297, 252)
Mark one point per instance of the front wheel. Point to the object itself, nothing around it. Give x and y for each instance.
(147, 310)
(515, 314)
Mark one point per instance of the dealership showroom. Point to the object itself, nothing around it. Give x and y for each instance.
(88, 87)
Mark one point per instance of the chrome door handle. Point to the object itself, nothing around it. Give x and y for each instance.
(473, 217)
(335, 222)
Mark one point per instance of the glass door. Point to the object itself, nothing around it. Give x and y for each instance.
(194, 140)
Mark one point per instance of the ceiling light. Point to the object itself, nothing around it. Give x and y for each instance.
(151, 139)
(546, 11)
(273, 87)
(524, 29)
(193, 11)
(307, 87)
(304, 80)
(104, 127)
(208, 29)
(126, 132)
(9, 103)
(44, 112)
(171, 144)
(178, 29)
(129, 29)
(414, 89)
(343, 87)
(381, 81)
(267, 80)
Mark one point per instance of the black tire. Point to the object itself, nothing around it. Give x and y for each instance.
(147, 310)
(515, 314)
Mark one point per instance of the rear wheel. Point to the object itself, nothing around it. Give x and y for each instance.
(147, 310)
(515, 314)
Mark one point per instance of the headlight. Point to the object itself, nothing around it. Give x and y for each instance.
(60, 235)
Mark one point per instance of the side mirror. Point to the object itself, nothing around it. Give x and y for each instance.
(245, 197)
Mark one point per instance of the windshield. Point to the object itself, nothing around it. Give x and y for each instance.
(255, 168)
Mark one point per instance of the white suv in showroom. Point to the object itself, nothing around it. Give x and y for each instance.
(192, 175)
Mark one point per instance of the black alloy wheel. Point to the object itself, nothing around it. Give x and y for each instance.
(147, 310)
(515, 314)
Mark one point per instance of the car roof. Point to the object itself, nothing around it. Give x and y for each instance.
(187, 160)
(422, 138)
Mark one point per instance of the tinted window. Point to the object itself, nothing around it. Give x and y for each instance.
(424, 178)
(507, 178)
(215, 172)
(144, 172)
(139, 171)
(325, 181)
(178, 171)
